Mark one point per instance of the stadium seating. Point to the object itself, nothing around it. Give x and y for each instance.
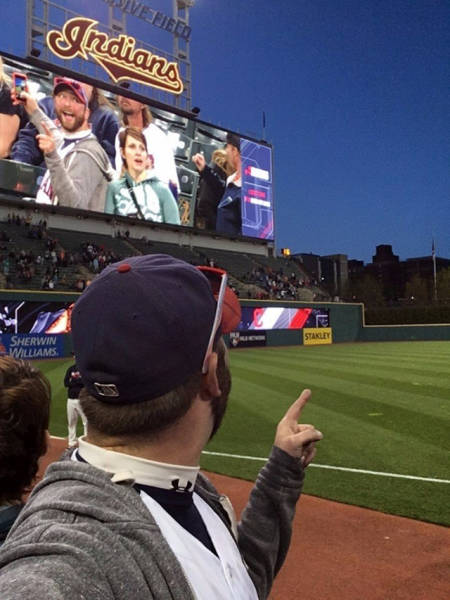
(182, 252)
(250, 274)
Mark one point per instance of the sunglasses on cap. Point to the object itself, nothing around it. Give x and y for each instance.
(73, 84)
(66, 81)
(227, 311)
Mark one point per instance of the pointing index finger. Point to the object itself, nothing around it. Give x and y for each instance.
(46, 128)
(294, 411)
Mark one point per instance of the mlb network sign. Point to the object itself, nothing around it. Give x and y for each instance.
(29, 346)
(320, 335)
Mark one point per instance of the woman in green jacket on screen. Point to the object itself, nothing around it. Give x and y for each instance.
(138, 193)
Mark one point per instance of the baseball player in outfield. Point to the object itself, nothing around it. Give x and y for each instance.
(129, 515)
(74, 384)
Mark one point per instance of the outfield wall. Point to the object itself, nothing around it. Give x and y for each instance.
(346, 322)
(401, 333)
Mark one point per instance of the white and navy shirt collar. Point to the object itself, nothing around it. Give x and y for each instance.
(125, 467)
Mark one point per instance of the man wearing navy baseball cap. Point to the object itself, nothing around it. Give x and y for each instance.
(128, 515)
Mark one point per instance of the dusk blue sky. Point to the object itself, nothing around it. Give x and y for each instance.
(356, 100)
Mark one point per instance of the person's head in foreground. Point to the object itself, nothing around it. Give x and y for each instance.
(24, 416)
(146, 334)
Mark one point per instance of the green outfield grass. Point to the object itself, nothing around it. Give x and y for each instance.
(382, 407)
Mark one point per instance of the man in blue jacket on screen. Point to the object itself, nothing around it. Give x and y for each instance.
(129, 515)
(229, 214)
(229, 219)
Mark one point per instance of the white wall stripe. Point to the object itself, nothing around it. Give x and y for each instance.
(347, 469)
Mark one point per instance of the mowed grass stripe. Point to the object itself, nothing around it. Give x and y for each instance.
(374, 445)
(304, 362)
(432, 354)
(413, 371)
(429, 364)
(384, 396)
(422, 385)
(352, 437)
(364, 404)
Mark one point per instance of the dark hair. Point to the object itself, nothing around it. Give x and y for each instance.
(131, 132)
(149, 417)
(234, 140)
(24, 416)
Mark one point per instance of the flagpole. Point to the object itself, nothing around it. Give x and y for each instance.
(433, 254)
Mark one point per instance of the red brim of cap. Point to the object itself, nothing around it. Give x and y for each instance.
(231, 308)
(231, 312)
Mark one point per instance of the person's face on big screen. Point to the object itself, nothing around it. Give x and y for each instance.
(232, 156)
(129, 106)
(134, 155)
(71, 112)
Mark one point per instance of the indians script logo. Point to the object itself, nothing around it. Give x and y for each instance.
(118, 56)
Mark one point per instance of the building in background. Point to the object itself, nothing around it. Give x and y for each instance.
(386, 274)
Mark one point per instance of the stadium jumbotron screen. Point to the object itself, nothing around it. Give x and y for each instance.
(180, 138)
(23, 316)
(275, 317)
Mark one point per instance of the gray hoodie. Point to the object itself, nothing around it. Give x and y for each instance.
(80, 179)
(81, 536)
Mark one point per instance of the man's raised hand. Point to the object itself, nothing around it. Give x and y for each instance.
(46, 140)
(294, 438)
(199, 161)
(25, 99)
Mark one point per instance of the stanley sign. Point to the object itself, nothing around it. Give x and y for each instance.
(321, 335)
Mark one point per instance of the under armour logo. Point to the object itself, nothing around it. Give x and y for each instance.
(176, 486)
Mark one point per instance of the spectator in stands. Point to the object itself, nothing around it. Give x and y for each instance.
(229, 218)
(80, 285)
(102, 119)
(6, 265)
(12, 116)
(139, 193)
(211, 187)
(24, 416)
(136, 114)
(45, 282)
(128, 514)
(278, 285)
(78, 168)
